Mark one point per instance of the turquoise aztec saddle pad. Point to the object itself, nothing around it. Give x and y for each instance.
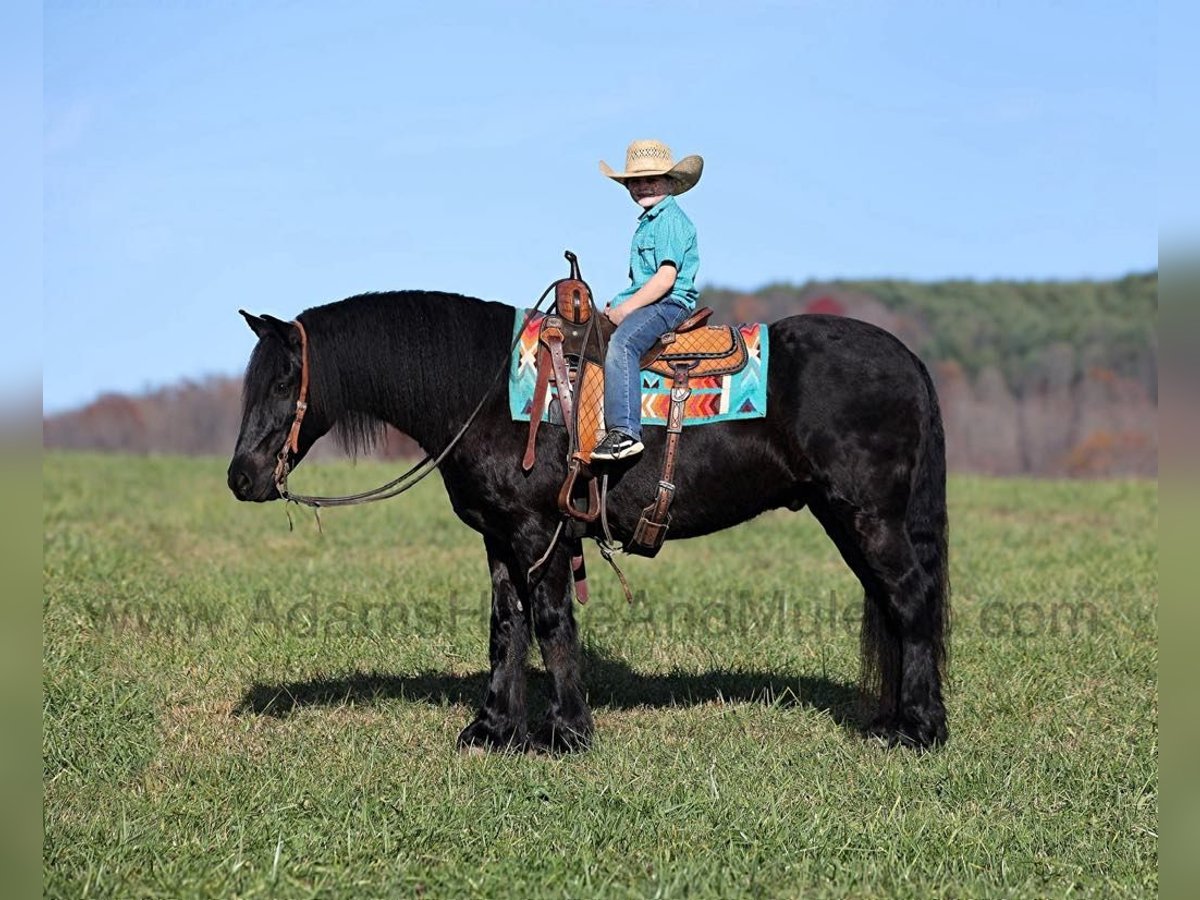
(720, 398)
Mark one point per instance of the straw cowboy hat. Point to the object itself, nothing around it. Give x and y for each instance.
(647, 158)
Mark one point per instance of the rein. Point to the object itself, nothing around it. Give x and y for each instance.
(416, 473)
(405, 480)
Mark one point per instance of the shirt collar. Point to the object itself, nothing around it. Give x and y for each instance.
(658, 207)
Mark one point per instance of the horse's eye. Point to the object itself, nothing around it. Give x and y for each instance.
(281, 388)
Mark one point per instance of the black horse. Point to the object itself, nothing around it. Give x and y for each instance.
(852, 431)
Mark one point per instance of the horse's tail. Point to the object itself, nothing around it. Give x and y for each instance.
(927, 525)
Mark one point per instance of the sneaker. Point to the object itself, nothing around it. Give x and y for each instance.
(617, 445)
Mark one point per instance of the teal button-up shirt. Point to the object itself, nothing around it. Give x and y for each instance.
(664, 234)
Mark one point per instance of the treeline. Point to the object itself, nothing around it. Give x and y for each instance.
(1006, 325)
(1043, 378)
(193, 418)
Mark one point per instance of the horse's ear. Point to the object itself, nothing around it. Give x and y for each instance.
(269, 325)
(285, 331)
(257, 324)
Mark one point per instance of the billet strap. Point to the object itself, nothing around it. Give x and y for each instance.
(651, 528)
(680, 391)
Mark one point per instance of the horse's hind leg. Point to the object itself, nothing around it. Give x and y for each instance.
(902, 638)
(903, 621)
(500, 722)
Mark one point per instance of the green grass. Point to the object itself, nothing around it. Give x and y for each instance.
(233, 709)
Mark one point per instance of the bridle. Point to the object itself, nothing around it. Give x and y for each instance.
(416, 473)
(292, 443)
(405, 480)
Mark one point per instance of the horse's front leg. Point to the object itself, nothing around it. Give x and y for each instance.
(500, 723)
(568, 725)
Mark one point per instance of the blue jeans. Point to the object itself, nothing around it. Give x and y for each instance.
(622, 382)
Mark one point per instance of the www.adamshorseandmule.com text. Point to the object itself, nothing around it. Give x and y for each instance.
(781, 613)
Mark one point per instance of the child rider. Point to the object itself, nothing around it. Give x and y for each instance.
(662, 293)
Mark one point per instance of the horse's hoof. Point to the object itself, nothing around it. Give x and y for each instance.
(881, 728)
(480, 738)
(917, 732)
(558, 737)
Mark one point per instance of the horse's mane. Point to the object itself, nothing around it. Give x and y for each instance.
(385, 346)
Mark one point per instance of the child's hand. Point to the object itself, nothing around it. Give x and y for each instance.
(616, 314)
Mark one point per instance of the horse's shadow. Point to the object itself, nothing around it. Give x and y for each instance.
(609, 683)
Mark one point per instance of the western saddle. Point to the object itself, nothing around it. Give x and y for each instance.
(572, 343)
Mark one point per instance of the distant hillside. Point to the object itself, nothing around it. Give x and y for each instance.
(1007, 325)
(193, 418)
(1045, 378)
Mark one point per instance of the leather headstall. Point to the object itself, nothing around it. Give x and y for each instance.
(292, 444)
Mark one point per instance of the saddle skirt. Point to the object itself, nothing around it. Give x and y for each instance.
(728, 381)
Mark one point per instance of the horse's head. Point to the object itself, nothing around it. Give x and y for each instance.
(269, 394)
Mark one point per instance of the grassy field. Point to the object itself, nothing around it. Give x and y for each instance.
(233, 709)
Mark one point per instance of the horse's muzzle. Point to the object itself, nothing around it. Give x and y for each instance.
(247, 486)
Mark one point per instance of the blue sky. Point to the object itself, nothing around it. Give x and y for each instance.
(201, 157)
